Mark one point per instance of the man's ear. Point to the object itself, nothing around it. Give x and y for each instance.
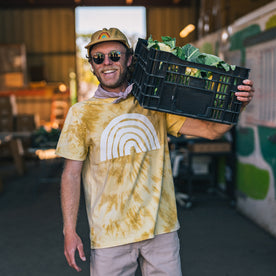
(92, 69)
(129, 61)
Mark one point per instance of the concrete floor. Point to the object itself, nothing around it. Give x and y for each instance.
(215, 239)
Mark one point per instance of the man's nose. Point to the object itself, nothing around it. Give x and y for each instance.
(107, 60)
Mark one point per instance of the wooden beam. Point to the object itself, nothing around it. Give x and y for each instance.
(76, 3)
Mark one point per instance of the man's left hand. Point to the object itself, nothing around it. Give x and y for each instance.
(245, 93)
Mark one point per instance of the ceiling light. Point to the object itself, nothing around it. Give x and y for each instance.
(187, 30)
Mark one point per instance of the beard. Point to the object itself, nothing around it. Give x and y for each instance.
(112, 85)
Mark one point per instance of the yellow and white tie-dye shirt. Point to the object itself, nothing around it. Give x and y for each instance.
(127, 178)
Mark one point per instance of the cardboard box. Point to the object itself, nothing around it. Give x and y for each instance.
(15, 79)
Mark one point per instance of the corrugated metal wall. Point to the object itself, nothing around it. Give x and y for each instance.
(49, 36)
(167, 21)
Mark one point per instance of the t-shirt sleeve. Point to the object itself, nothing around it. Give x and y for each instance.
(174, 123)
(72, 141)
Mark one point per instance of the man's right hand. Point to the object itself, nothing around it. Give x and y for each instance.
(72, 242)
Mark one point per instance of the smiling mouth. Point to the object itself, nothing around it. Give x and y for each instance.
(110, 71)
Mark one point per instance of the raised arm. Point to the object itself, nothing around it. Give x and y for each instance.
(212, 130)
(70, 197)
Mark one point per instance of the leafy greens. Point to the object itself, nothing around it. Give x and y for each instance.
(188, 52)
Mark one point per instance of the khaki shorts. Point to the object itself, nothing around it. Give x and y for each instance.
(157, 256)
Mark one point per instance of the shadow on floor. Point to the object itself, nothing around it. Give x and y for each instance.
(215, 239)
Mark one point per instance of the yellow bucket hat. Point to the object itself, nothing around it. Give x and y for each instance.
(112, 34)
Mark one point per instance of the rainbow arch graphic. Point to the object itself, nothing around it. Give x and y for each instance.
(125, 132)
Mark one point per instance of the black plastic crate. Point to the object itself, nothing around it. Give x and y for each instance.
(163, 82)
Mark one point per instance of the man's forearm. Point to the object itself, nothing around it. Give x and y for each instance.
(204, 129)
(70, 198)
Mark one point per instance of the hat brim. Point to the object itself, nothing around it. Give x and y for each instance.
(89, 45)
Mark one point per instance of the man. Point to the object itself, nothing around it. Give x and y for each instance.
(122, 153)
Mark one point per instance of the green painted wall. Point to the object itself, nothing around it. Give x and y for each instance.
(252, 181)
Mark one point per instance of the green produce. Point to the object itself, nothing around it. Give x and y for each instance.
(188, 52)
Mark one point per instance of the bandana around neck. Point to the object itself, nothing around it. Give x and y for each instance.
(100, 93)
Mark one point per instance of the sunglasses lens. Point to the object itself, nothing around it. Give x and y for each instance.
(98, 58)
(114, 56)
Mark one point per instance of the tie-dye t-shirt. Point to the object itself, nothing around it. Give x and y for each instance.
(127, 177)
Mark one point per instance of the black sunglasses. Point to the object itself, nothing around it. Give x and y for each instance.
(114, 56)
